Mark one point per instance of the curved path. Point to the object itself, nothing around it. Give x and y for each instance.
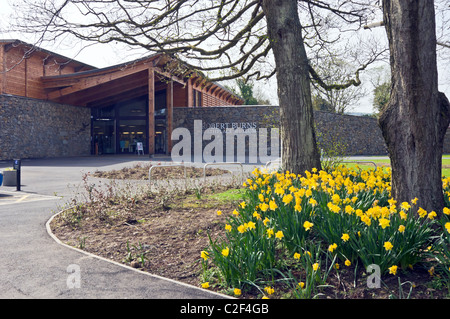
(35, 265)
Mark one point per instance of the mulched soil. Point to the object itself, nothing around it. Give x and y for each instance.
(141, 172)
(168, 229)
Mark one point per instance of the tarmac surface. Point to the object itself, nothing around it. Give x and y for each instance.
(35, 265)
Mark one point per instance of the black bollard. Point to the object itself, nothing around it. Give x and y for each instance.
(17, 166)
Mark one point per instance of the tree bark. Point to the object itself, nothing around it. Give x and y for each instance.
(416, 118)
(299, 148)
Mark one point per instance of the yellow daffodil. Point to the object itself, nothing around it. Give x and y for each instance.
(334, 208)
(403, 215)
(312, 202)
(345, 237)
(392, 201)
(347, 263)
(307, 225)
(422, 212)
(269, 232)
(228, 227)
(315, 266)
(447, 226)
(297, 255)
(366, 219)
(261, 198)
(432, 215)
(269, 290)
(388, 245)
(204, 255)
(205, 285)
(332, 247)
(384, 222)
(237, 292)
(264, 207)
(393, 270)
(287, 199)
(279, 234)
(401, 228)
(273, 205)
(336, 199)
(226, 252)
(349, 209)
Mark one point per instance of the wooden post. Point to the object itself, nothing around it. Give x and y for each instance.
(190, 93)
(169, 118)
(151, 111)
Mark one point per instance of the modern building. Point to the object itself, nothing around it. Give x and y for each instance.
(51, 105)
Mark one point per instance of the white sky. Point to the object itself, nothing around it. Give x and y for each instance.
(106, 55)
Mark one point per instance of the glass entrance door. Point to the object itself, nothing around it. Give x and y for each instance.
(132, 132)
(104, 141)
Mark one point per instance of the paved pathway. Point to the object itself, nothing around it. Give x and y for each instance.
(34, 265)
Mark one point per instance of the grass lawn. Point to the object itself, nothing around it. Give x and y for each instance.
(386, 162)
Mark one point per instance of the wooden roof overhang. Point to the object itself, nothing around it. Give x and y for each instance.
(47, 56)
(103, 87)
(95, 88)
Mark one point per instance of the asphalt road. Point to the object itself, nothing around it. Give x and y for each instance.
(35, 265)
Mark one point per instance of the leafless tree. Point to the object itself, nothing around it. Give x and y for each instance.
(223, 39)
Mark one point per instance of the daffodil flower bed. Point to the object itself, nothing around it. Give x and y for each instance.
(293, 231)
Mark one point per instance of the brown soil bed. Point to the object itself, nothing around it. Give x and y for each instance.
(141, 172)
(168, 230)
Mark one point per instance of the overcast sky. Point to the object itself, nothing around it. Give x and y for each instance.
(107, 55)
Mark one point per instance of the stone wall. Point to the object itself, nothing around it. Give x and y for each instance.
(354, 135)
(357, 135)
(31, 128)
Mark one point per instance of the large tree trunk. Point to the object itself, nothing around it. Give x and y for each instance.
(417, 116)
(299, 148)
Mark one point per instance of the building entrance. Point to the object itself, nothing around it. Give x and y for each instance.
(120, 128)
(103, 136)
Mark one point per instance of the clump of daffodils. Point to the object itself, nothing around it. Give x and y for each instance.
(349, 211)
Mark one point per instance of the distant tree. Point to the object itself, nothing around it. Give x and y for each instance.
(246, 89)
(320, 104)
(335, 99)
(381, 95)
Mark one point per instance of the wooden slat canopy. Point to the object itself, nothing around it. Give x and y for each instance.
(101, 87)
